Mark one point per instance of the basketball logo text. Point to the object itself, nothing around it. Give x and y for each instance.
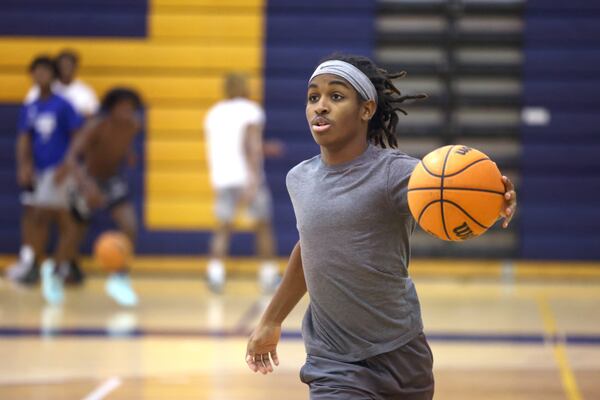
(463, 231)
(463, 150)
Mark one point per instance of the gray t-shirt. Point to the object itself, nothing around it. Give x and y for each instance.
(355, 228)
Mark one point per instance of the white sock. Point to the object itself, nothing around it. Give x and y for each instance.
(216, 270)
(268, 274)
(26, 255)
(270, 265)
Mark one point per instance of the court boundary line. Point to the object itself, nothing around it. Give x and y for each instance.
(559, 350)
(101, 391)
(14, 332)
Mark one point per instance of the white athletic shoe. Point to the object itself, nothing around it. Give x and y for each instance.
(52, 283)
(268, 277)
(215, 275)
(16, 270)
(22, 269)
(118, 287)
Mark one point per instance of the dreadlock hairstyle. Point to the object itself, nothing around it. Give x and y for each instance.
(382, 127)
(118, 94)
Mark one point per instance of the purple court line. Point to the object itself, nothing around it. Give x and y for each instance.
(17, 332)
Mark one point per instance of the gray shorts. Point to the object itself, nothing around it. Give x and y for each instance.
(228, 200)
(404, 374)
(46, 192)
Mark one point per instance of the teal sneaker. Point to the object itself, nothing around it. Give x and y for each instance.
(52, 284)
(118, 287)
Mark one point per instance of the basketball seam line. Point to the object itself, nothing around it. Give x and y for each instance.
(442, 191)
(459, 188)
(467, 214)
(454, 173)
(425, 208)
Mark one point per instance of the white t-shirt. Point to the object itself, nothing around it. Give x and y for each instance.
(81, 96)
(224, 127)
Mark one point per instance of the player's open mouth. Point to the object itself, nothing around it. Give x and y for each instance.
(320, 124)
(321, 128)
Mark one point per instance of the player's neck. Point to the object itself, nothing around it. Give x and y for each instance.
(45, 92)
(66, 82)
(335, 156)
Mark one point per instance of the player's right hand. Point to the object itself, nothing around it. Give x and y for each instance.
(63, 170)
(25, 175)
(249, 193)
(262, 348)
(93, 195)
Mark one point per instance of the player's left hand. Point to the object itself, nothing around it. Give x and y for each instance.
(249, 192)
(510, 202)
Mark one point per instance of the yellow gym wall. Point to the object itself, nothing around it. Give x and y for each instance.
(178, 69)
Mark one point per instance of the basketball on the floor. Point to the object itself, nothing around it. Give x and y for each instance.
(456, 193)
(112, 250)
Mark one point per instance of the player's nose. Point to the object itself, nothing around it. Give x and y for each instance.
(322, 107)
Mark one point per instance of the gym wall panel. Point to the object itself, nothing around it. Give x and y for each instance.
(110, 56)
(561, 168)
(155, 90)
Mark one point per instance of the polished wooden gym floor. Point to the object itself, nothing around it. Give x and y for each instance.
(498, 331)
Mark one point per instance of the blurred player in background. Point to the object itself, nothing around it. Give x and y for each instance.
(234, 133)
(105, 147)
(83, 98)
(46, 127)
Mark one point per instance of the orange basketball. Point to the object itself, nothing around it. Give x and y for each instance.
(456, 193)
(112, 250)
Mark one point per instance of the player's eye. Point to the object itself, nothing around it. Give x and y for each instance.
(337, 97)
(313, 98)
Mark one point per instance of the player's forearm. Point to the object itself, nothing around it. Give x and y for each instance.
(23, 150)
(290, 291)
(253, 151)
(76, 149)
(80, 141)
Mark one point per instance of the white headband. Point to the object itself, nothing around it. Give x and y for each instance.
(353, 75)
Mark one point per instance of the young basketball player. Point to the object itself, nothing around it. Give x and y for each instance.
(362, 331)
(106, 147)
(234, 129)
(84, 101)
(46, 127)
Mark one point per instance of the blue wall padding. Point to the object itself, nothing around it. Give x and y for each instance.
(560, 190)
(82, 18)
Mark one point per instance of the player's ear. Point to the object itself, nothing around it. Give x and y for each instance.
(367, 110)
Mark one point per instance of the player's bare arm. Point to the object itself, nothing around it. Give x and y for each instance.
(253, 149)
(80, 142)
(262, 345)
(24, 160)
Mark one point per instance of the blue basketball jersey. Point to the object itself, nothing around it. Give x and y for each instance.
(50, 122)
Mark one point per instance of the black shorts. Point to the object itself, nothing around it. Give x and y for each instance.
(403, 374)
(114, 189)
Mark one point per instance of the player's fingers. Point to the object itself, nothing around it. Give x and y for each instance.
(258, 360)
(267, 362)
(275, 357)
(508, 216)
(511, 195)
(508, 183)
(251, 364)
